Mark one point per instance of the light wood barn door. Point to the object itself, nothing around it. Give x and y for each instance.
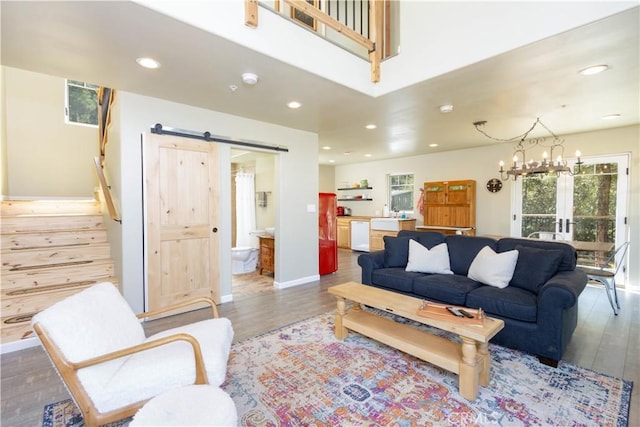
(182, 218)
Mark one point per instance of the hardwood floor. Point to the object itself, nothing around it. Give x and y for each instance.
(602, 342)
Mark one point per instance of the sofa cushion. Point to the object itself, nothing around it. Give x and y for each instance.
(395, 278)
(463, 250)
(535, 266)
(396, 251)
(428, 239)
(569, 256)
(447, 288)
(493, 269)
(424, 260)
(510, 302)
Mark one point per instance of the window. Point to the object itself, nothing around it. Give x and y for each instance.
(400, 192)
(81, 103)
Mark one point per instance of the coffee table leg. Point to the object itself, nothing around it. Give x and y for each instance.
(469, 370)
(485, 363)
(341, 331)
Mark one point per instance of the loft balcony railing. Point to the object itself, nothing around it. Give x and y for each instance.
(362, 27)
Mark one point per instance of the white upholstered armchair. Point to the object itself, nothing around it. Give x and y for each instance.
(111, 369)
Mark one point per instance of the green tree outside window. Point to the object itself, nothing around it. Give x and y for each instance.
(82, 103)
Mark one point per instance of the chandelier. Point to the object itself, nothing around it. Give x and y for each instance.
(546, 166)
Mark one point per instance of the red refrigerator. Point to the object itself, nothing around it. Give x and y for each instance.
(327, 228)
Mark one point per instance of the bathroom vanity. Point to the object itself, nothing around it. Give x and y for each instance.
(266, 257)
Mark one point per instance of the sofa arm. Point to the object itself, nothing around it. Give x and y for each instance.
(563, 289)
(369, 262)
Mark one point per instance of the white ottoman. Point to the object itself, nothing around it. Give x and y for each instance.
(194, 405)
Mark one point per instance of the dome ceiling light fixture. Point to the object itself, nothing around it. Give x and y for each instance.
(250, 79)
(532, 167)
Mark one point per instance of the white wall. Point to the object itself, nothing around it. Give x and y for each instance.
(296, 177)
(3, 135)
(477, 30)
(493, 210)
(45, 157)
(327, 179)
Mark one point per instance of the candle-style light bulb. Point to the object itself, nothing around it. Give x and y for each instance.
(578, 153)
(559, 160)
(545, 155)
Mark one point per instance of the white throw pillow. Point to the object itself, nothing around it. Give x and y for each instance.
(423, 260)
(493, 269)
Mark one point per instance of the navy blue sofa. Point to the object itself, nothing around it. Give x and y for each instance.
(539, 306)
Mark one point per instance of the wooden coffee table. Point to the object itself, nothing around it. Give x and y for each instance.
(470, 360)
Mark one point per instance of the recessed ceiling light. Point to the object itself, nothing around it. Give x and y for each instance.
(595, 69)
(332, 161)
(371, 126)
(294, 105)
(368, 155)
(611, 117)
(148, 63)
(433, 145)
(347, 153)
(446, 108)
(326, 147)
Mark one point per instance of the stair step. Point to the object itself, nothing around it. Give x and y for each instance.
(11, 208)
(34, 224)
(20, 260)
(51, 239)
(28, 280)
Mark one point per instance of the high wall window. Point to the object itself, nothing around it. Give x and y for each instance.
(400, 194)
(81, 103)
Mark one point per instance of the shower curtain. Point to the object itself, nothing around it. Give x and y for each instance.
(245, 208)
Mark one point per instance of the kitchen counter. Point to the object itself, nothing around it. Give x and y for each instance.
(381, 227)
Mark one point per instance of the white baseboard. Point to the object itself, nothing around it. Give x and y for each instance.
(300, 281)
(226, 298)
(19, 345)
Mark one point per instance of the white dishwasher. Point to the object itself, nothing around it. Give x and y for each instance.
(360, 236)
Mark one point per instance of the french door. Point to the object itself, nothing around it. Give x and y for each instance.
(588, 207)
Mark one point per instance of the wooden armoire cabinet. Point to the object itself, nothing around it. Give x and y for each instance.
(450, 204)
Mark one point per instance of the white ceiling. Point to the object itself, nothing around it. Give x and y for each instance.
(77, 40)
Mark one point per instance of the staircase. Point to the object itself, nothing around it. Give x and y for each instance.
(50, 250)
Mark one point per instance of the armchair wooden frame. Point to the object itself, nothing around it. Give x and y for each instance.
(68, 370)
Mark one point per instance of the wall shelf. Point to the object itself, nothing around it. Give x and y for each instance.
(354, 199)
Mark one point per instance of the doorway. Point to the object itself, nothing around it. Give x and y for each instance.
(589, 205)
(252, 215)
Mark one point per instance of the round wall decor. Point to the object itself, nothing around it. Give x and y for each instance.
(494, 185)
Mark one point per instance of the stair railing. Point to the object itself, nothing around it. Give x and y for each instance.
(106, 191)
(106, 97)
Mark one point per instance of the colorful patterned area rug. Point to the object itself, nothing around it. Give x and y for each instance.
(301, 375)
